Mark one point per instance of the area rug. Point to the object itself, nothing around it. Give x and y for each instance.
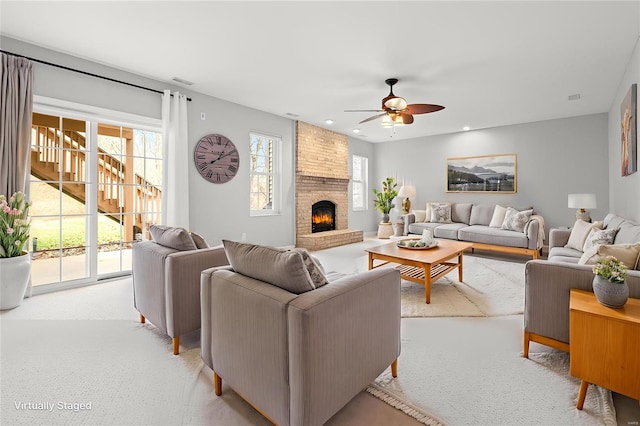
(490, 287)
(466, 375)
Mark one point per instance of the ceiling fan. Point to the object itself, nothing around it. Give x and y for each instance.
(395, 109)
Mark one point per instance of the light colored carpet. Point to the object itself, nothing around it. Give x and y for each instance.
(484, 380)
(491, 287)
(456, 370)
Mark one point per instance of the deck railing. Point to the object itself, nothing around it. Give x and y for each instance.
(123, 195)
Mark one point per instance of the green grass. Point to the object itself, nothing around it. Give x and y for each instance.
(46, 229)
(73, 232)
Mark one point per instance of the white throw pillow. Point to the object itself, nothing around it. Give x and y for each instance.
(420, 215)
(440, 212)
(599, 236)
(515, 220)
(427, 216)
(579, 234)
(498, 217)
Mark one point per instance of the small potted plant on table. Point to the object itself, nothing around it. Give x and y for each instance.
(609, 284)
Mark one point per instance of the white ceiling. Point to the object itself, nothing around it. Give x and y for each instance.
(488, 63)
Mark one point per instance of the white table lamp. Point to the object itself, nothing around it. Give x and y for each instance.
(582, 202)
(406, 192)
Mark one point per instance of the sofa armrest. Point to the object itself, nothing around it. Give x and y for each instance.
(532, 235)
(353, 321)
(182, 286)
(148, 264)
(547, 289)
(558, 237)
(408, 219)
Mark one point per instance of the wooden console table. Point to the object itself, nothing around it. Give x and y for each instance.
(605, 344)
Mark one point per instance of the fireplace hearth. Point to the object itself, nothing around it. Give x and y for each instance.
(323, 216)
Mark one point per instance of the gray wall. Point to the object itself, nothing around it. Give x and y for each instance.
(216, 211)
(365, 220)
(624, 192)
(554, 158)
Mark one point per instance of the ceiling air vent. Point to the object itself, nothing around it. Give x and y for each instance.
(183, 81)
(574, 97)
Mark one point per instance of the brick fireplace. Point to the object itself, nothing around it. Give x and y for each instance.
(322, 176)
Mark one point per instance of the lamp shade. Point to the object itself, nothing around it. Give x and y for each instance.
(582, 201)
(407, 191)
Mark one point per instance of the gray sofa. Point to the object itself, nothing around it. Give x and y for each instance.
(297, 358)
(470, 223)
(548, 284)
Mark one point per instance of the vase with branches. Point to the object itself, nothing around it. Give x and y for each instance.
(384, 199)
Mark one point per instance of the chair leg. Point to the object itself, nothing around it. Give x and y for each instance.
(176, 345)
(142, 319)
(217, 383)
(394, 368)
(525, 346)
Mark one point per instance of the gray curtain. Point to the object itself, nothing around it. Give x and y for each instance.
(16, 106)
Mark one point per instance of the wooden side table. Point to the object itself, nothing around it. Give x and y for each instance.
(604, 345)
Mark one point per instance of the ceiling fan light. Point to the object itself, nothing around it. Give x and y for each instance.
(397, 120)
(396, 103)
(386, 121)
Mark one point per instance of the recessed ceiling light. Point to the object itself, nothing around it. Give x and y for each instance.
(328, 121)
(465, 128)
(574, 97)
(356, 130)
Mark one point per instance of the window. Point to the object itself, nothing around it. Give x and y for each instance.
(360, 182)
(264, 174)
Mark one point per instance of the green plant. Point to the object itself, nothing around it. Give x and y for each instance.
(611, 269)
(384, 198)
(14, 224)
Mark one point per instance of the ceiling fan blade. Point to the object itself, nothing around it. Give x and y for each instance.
(423, 108)
(363, 110)
(373, 117)
(407, 118)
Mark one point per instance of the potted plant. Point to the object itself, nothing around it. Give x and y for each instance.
(15, 262)
(609, 284)
(384, 199)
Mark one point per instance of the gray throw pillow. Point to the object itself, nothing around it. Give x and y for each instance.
(199, 240)
(599, 236)
(175, 238)
(279, 267)
(313, 267)
(515, 220)
(440, 212)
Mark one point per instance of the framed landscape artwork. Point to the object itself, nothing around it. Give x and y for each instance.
(486, 173)
(629, 131)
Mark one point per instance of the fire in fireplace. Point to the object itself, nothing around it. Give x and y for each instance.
(323, 216)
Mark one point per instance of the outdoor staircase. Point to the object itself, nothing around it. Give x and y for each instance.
(119, 188)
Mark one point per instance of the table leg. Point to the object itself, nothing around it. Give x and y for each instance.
(427, 283)
(582, 394)
(370, 261)
(460, 266)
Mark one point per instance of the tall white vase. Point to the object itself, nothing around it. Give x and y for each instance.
(14, 279)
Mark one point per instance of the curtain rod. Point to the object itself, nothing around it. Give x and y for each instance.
(85, 73)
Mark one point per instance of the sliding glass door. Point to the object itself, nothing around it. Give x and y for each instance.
(96, 188)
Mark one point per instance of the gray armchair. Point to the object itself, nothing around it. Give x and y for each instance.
(166, 285)
(299, 358)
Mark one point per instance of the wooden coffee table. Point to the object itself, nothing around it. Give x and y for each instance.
(421, 266)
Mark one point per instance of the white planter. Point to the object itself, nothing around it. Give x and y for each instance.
(14, 279)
